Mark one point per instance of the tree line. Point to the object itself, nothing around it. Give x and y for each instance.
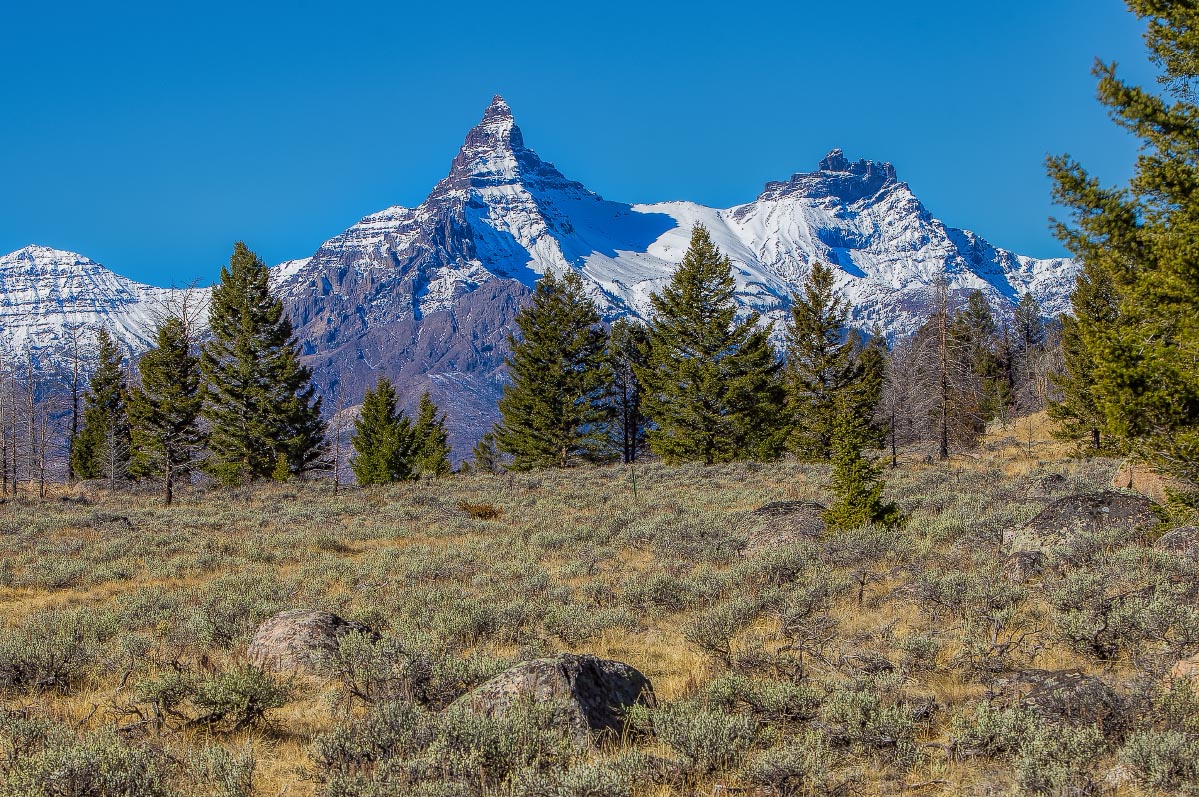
(698, 383)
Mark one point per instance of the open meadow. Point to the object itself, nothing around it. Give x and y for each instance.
(782, 660)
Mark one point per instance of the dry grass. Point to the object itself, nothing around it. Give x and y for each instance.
(434, 555)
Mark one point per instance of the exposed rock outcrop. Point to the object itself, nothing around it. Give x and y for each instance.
(784, 522)
(300, 641)
(1065, 519)
(592, 693)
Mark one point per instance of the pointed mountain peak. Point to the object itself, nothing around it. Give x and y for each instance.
(835, 161)
(497, 109)
(836, 177)
(494, 153)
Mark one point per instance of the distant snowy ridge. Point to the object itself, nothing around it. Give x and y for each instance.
(427, 295)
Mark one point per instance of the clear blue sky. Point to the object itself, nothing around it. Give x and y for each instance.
(151, 136)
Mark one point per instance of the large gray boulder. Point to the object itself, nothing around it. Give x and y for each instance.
(1062, 696)
(591, 693)
(300, 641)
(783, 523)
(1183, 542)
(1061, 522)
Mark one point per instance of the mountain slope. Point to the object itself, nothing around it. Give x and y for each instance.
(427, 295)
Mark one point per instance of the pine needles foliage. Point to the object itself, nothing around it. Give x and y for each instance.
(260, 402)
(101, 449)
(828, 365)
(165, 409)
(555, 411)
(857, 477)
(1132, 350)
(710, 386)
(431, 456)
(383, 440)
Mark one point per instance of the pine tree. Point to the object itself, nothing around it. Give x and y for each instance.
(1028, 325)
(554, 412)
(629, 348)
(165, 409)
(432, 453)
(383, 439)
(486, 455)
(857, 478)
(710, 386)
(260, 401)
(101, 448)
(823, 365)
(1141, 243)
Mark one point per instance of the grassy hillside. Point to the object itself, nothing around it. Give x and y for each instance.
(855, 664)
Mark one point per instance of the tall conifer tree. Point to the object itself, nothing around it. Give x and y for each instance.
(383, 439)
(260, 402)
(629, 348)
(1142, 240)
(856, 478)
(101, 449)
(165, 409)
(825, 366)
(432, 453)
(711, 387)
(554, 412)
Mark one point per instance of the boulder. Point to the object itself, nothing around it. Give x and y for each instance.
(1022, 566)
(784, 522)
(1062, 696)
(592, 693)
(1182, 542)
(1066, 518)
(300, 641)
(1143, 479)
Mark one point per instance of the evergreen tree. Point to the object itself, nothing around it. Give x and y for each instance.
(824, 365)
(486, 455)
(629, 348)
(165, 409)
(260, 401)
(383, 440)
(710, 386)
(432, 453)
(1078, 413)
(857, 478)
(1029, 326)
(554, 412)
(101, 448)
(1141, 243)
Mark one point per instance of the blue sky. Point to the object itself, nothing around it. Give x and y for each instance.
(151, 136)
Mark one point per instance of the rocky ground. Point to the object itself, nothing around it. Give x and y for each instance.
(1029, 630)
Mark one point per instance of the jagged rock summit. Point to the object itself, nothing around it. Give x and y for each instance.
(427, 295)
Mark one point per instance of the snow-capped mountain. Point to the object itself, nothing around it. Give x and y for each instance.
(48, 295)
(427, 295)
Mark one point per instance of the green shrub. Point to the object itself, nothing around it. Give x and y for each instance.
(707, 741)
(239, 698)
(800, 767)
(1060, 760)
(1162, 759)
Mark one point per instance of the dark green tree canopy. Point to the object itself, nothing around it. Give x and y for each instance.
(101, 449)
(383, 439)
(432, 454)
(710, 386)
(555, 411)
(1132, 346)
(827, 365)
(260, 401)
(165, 409)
